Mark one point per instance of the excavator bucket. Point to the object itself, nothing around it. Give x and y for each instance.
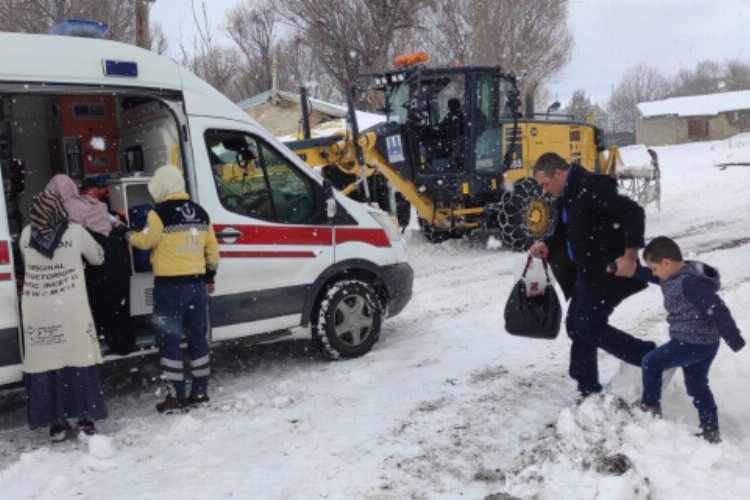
(636, 169)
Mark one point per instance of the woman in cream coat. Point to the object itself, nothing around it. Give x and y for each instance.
(61, 350)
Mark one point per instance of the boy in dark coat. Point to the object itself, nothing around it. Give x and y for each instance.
(597, 226)
(698, 319)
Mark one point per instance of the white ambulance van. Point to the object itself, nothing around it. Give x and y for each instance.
(295, 255)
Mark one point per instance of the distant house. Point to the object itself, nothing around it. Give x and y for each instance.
(695, 118)
(280, 113)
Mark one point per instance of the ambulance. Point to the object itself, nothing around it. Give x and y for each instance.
(297, 257)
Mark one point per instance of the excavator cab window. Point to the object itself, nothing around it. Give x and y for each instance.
(435, 112)
(493, 104)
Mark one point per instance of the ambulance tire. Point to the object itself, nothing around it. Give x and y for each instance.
(348, 321)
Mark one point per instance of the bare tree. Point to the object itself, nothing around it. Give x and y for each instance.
(704, 79)
(206, 58)
(641, 83)
(529, 38)
(352, 38)
(38, 16)
(253, 26)
(581, 108)
(159, 43)
(448, 32)
(736, 76)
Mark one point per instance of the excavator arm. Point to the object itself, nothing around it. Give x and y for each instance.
(339, 151)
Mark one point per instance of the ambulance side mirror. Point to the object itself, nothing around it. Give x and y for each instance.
(329, 200)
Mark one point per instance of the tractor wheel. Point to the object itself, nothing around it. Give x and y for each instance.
(348, 320)
(526, 215)
(433, 234)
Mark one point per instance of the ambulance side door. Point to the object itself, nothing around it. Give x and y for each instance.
(273, 236)
(10, 352)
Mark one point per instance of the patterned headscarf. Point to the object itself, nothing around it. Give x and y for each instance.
(49, 220)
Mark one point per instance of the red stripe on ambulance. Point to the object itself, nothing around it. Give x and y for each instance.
(305, 235)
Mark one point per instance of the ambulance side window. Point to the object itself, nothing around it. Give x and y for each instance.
(253, 179)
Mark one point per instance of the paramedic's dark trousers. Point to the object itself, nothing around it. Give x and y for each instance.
(181, 308)
(588, 327)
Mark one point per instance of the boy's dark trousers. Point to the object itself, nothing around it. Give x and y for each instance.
(588, 327)
(695, 360)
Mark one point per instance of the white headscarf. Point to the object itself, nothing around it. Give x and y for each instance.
(167, 180)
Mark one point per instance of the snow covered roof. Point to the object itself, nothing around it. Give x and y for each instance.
(697, 105)
(322, 106)
(274, 118)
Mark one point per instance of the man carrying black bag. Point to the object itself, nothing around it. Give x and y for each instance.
(597, 226)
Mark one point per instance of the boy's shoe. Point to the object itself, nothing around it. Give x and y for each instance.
(200, 399)
(711, 435)
(86, 427)
(59, 432)
(653, 410)
(171, 405)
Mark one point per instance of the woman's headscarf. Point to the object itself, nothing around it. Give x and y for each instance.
(49, 220)
(84, 210)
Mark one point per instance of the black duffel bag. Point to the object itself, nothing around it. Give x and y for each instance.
(537, 316)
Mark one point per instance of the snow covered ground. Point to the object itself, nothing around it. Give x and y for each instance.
(446, 406)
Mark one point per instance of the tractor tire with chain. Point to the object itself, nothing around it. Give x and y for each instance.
(433, 234)
(526, 215)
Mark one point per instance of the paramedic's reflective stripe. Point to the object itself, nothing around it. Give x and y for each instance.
(172, 369)
(200, 367)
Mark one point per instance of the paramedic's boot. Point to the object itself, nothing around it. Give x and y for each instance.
(171, 405)
(198, 399)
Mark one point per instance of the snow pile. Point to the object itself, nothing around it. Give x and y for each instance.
(605, 448)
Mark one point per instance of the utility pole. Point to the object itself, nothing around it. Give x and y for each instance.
(142, 32)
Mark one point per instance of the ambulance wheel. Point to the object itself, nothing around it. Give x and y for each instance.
(348, 320)
(526, 215)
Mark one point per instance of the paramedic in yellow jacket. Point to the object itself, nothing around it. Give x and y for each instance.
(185, 257)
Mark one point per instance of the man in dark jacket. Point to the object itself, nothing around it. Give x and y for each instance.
(597, 226)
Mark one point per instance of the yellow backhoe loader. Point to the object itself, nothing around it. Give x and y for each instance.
(455, 147)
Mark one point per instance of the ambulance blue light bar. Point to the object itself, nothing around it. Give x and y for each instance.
(120, 68)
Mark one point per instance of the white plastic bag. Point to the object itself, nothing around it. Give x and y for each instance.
(535, 278)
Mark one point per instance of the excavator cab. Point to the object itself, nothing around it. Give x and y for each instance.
(450, 124)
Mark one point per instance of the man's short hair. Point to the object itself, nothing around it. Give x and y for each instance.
(660, 248)
(549, 162)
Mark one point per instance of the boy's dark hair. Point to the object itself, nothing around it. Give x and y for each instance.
(660, 248)
(549, 162)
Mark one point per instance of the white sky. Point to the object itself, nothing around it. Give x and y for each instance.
(611, 36)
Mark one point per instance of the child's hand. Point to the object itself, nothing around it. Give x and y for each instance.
(737, 345)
